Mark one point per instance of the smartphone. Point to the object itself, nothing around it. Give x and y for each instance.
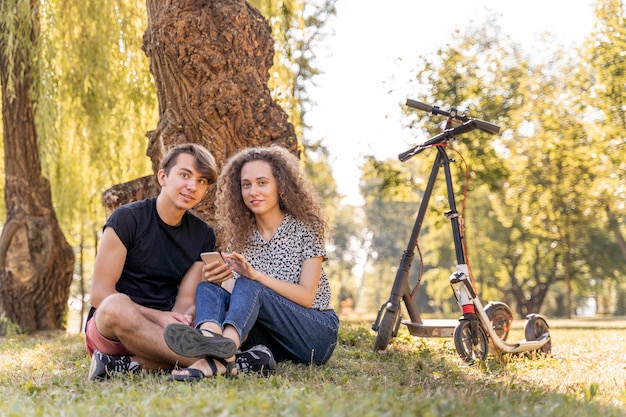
(209, 257)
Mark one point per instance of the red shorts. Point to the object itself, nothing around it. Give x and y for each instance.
(94, 340)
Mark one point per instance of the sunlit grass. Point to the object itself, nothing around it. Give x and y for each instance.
(585, 376)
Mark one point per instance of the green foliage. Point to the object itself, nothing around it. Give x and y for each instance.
(19, 47)
(46, 375)
(10, 329)
(601, 97)
(297, 27)
(316, 166)
(97, 102)
(387, 181)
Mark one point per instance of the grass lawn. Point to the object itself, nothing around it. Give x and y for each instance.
(45, 375)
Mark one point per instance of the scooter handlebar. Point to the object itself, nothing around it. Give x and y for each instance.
(443, 136)
(487, 127)
(419, 105)
(480, 124)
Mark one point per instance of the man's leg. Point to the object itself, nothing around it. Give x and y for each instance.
(118, 318)
(211, 305)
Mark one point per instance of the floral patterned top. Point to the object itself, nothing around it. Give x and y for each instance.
(281, 257)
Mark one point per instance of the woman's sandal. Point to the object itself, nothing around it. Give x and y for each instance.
(191, 342)
(194, 374)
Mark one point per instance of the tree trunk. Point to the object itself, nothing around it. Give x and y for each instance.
(529, 298)
(615, 228)
(211, 62)
(36, 262)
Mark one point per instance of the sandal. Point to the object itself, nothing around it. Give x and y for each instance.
(194, 374)
(230, 367)
(191, 342)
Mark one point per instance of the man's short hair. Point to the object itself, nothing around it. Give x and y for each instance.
(205, 161)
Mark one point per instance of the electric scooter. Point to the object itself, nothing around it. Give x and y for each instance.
(477, 324)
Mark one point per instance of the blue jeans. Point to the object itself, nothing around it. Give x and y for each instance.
(261, 316)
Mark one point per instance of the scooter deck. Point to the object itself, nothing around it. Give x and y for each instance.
(432, 328)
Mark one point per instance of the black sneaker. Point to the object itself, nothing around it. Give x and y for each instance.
(104, 366)
(256, 359)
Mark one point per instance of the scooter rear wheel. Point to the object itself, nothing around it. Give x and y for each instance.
(501, 317)
(535, 327)
(470, 348)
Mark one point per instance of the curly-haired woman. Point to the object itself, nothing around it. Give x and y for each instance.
(273, 224)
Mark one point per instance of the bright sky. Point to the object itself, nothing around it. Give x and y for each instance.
(376, 44)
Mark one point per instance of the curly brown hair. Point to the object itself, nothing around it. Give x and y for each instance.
(235, 221)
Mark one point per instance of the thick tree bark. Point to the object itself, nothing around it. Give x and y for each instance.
(36, 262)
(134, 190)
(211, 62)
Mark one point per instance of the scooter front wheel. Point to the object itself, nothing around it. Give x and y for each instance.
(470, 347)
(386, 329)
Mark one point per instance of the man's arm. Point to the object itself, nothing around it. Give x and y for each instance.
(186, 298)
(108, 267)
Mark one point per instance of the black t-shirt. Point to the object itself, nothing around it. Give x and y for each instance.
(158, 255)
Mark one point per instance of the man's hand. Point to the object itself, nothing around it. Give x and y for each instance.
(183, 318)
(163, 318)
(217, 272)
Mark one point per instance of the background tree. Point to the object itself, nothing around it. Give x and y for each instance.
(600, 90)
(35, 259)
(392, 200)
(601, 99)
(548, 177)
(343, 220)
(98, 99)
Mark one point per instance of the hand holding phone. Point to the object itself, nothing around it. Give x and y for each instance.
(210, 257)
(216, 274)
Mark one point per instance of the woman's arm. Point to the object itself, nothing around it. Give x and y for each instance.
(302, 293)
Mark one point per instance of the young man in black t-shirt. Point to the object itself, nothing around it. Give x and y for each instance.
(148, 267)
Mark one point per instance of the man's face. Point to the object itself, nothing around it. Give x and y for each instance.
(184, 185)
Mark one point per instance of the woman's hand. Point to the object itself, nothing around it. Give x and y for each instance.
(239, 264)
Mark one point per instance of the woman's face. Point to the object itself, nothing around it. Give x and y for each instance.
(259, 188)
